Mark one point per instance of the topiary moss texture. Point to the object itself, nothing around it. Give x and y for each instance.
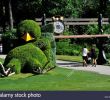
(26, 58)
(47, 33)
(35, 56)
(29, 26)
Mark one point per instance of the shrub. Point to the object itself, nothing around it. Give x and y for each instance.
(47, 28)
(65, 48)
(15, 65)
(33, 56)
(43, 44)
(9, 39)
(26, 55)
(92, 29)
(10, 34)
(29, 26)
(47, 36)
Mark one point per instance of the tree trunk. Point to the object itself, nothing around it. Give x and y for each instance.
(10, 15)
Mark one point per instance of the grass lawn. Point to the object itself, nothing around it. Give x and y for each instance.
(1, 60)
(69, 58)
(57, 79)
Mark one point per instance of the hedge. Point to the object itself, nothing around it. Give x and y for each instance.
(28, 56)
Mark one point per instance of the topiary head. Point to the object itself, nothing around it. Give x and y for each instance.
(28, 30)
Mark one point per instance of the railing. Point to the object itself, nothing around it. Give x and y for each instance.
(81, 36)
(77, 21)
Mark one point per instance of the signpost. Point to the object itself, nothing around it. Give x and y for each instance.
(58, 24)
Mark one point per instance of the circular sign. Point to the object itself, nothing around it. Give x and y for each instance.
(58, 27)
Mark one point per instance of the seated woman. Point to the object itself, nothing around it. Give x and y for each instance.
(5, 72)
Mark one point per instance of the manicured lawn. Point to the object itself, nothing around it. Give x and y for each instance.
(1, 60)
(57, 79)
(69, 58)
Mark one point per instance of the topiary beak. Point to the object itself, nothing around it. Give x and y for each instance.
(27, 37)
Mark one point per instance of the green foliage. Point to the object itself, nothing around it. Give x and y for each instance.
(47, 28)
(47, 36)
(67, 8)
(43, 44)
(10, 34)
(35, 56)
(50, 46)
(26, 54)
(69, 58)
(33, 66)
(31, 27)
(1, 60)
(108, 9)
(57, 80)
(64, 8)
(106, 29)
(92, 29)
(9, 40)
(47, 32)
(65, 48)
(90, 9)
(15, 65)
(62, 47)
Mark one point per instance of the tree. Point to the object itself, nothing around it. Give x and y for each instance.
(6, 15)
(10, 15)
(30, 9)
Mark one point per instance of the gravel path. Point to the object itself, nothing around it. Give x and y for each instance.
(101, 69)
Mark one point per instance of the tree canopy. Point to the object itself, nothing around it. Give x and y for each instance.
(31, 9)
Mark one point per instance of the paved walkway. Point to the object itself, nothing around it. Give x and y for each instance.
(2, 56)
(101, 69)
